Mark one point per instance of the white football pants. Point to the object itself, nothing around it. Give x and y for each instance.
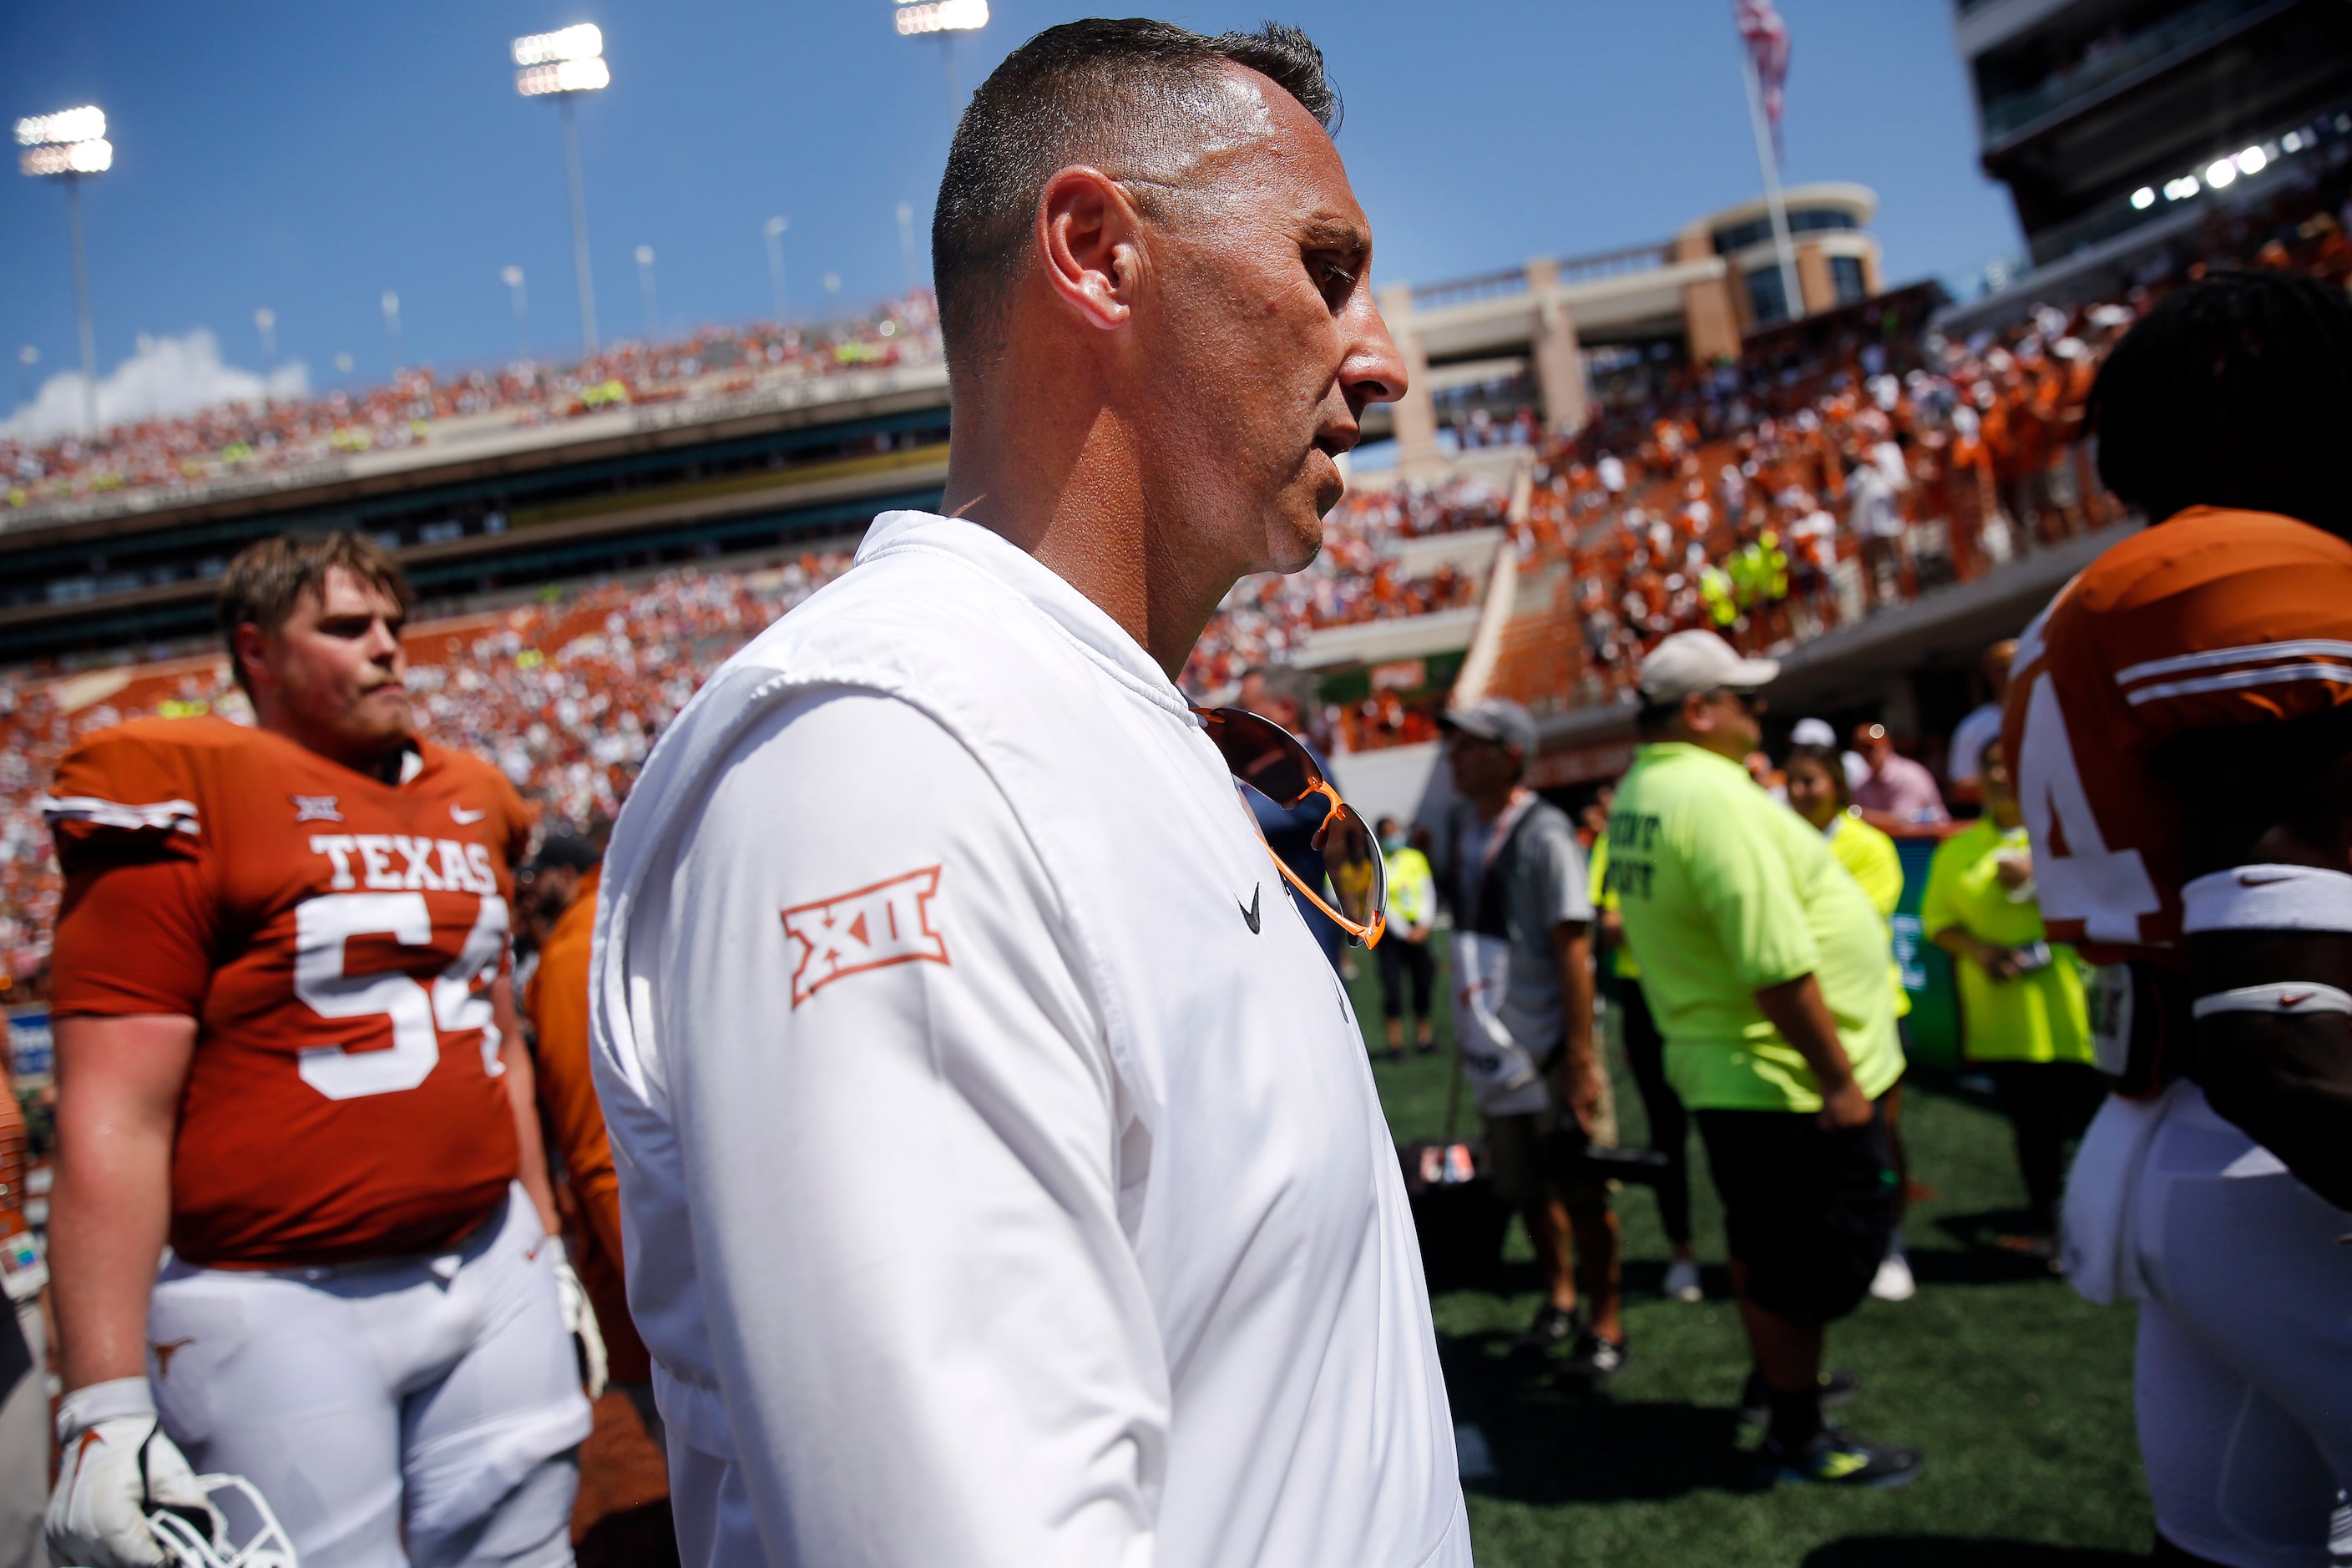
(2243, 1381)
(430, 1401)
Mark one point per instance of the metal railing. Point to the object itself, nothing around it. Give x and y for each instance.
(2176, 38)
(1574, 269)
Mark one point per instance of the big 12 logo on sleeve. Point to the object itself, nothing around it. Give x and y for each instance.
(868, 928)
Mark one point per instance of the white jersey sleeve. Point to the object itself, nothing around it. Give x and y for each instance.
(902, 1133)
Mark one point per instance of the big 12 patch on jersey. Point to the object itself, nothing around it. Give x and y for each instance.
(867, 928)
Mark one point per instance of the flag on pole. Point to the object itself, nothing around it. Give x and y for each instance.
(1767, 37)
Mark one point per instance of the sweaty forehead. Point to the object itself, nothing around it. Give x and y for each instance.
(1246, 135)
(345, 593)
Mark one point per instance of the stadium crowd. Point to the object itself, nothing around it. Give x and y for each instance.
(565, 695)
(1267, 618)
(1775, 498)
(245, 438)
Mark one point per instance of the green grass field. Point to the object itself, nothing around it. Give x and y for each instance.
(2018, 1392)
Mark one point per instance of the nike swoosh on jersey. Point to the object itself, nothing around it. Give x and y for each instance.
(1250, 915)
(459, 815)
(2297, 1001)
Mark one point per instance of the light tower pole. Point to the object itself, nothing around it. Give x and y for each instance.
(562, 65)
(391, 304)
(906, 242)
(512, 275)
(942, 19)
(774, 229)
(70, 145)
(645, 283)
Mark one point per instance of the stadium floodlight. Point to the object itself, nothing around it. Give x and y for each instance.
(916, 18)
(566, 75)
(943, 20)
(2221, 172)
(69, 145)
(774, 229)
(562, 65)
(2253, 161)
(583, 42)
(2144, 198)
(87, 124)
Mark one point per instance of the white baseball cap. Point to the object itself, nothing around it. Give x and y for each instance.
(1693, 661)
(1812, 733)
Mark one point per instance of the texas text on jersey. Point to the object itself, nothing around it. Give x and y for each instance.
(2212, 621)
(336, 938)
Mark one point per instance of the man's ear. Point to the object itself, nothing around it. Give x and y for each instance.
(250, 653)
(1089, 234)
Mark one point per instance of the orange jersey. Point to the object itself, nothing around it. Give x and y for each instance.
(556, 1002)
(336, 939)
(2209, 622)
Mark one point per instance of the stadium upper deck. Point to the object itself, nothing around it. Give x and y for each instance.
(736, 439)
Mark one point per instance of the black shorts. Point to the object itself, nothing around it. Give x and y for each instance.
(1808, 1212)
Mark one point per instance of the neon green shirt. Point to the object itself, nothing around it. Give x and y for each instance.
(1872, 856)
(1605, 899)
(1412, 889)
(2036, 1017)
(1726, 892)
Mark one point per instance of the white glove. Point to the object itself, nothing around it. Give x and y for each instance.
(114, 1469)
(580, 1322)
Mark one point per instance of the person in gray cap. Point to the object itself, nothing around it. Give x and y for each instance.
(1523, 1022)
(1764, 963)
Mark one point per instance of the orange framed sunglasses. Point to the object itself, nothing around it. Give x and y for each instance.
(1267, 757)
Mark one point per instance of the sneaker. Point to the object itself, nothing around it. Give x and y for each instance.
(1893, 1281)
(1595, 1360)
(1835, 1459)
(1424, 1048)
(1553, 1326)
(1682, 1280)
(1838, 1388)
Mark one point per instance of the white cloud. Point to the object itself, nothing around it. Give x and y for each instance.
(167, 377)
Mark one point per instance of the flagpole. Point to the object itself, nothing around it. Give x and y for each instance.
(1771, 166)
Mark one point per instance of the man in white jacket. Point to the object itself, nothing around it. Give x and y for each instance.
(1003, 1178)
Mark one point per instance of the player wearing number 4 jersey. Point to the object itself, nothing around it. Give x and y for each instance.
(2182, 720)
(285, 1046)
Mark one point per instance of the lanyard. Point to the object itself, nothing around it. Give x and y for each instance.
(1522, 798)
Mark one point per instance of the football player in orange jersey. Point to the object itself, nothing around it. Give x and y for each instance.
(286, 1049)
(2182, 718)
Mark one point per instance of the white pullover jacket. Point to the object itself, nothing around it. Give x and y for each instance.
(1003, 1178)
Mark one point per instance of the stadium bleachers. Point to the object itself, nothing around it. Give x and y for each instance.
(243, 439)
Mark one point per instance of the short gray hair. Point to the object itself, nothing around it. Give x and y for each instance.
(1115, 94)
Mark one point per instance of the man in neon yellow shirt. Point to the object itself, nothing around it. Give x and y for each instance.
(1765, 965)
(1404, 953)
(1629, 1030)
(1820, 793)
(2022, 1012)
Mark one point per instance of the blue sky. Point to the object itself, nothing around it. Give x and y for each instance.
(307, 157)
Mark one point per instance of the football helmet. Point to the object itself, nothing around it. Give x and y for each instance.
(127, 1499)
(241, 1531)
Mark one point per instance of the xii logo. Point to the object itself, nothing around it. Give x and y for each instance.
(888, 923)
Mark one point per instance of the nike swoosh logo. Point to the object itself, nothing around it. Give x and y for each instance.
(459, 815)
(2246, 881)
(2296, 1001)
(1250, 915)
